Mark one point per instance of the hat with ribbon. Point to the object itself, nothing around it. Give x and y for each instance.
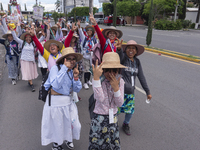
(69, 51)
(22, 37)
(140, 48)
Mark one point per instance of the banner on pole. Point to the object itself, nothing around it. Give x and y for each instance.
(15, 13)
(38, 12)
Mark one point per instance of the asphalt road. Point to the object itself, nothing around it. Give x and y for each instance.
(180, 41)
(170, 122)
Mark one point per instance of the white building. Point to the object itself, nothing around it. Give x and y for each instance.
(66, 6)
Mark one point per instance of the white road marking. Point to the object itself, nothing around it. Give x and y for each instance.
(140, 90)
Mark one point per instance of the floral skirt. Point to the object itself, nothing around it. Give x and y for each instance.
(128, 105)
(104, 136)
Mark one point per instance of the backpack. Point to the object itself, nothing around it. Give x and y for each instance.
(42, 92)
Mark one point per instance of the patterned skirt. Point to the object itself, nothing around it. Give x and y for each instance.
(128, 105)
(104, 136)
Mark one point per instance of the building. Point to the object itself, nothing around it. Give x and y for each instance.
(66, 6)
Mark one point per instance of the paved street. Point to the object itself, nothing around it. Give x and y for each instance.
(170, 122)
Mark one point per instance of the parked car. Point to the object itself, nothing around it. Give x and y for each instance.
(100, 20)
(109, 20)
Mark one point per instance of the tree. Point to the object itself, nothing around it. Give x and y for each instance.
(149, 33)
(57, 3)
(25, 7)
(1, 7)
(128, 8)
(162, 7)
(108, 9)
(197, 2)
(81, 11)
(183, 15)
(55, 16)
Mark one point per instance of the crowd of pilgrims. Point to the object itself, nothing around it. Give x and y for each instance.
(70, 54)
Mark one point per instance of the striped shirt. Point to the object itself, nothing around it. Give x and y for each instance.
(106, 98)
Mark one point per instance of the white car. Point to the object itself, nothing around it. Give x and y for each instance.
(100, 20)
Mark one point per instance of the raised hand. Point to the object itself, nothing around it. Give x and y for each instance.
(76, 72)
(58, 24)
(114, 82)
(118, 44)
(74, 27)
(93, 21)
(79, 23)
(97, 70)
(4, 16)
(32, 32)
(67, 63)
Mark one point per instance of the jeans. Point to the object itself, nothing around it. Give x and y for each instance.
(127, 118)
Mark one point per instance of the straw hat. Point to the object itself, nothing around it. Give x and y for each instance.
(140, 48)
(38, 30)
(54, 27)
(8, 33)
(22, 37)
(89, 26)
(69, 51)
(112, 28)
(111, 60)
(48, 43)
(64, 29)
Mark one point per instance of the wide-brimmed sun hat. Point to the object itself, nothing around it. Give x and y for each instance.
(111, 60)
(140, 48)
(112, 28)
(54, 27)
(69, 51)
(64, 29)
(49, 42)
(22, 37)
(38, 30)
(90, 27)
(75, 35)
(8, 33)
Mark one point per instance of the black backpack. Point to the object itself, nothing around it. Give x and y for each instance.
(42, 92)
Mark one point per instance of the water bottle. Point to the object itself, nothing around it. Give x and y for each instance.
(147, 101)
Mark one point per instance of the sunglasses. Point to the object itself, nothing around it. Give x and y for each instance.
(115, 70)
(71, 59)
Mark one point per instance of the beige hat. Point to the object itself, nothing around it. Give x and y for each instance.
(112, 28)
(54, 27)
(140, 48)
(47, 44)
(8, 33)
(111, 60)
(38, 30)
(22, 37)
(69, 51)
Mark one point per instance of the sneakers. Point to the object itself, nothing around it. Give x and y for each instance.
(126, 129)
(57, 147)
(14, 82)
(89, 83)
(32, 87)
(70, 145)
(85, 85)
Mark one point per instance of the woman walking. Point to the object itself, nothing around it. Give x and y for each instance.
(60, 120)
(104, 130)
(128, 58)
(27, 60)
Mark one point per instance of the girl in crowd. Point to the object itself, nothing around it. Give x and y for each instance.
(60, 121)
(104, 130)
(128, 58)
(88, 42)
(12, 55)
(107, 36)
(27, 60)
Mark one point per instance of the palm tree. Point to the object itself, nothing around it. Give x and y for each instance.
(57, 3)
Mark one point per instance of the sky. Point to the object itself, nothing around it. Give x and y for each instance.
(49, 4)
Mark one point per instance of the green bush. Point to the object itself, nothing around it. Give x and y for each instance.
(186, 23)
(192, 26)
(164, 24)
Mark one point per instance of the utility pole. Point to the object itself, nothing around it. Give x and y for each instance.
(90, 8)
(115, 13)
(74, 10)
(197, 19)
(175, 14)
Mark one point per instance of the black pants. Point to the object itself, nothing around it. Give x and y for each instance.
(43, 71)
(86, 76)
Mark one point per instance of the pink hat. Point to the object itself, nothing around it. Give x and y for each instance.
(140, 48)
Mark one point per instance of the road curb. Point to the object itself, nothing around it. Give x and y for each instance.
(174, 54)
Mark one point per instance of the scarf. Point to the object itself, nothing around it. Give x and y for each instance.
(113, 44)
(89, 40)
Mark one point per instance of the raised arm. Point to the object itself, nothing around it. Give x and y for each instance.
(70, 35)
(80, 31)
(2, 28)
(4, 24)
(37, 43)
(18, 40)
